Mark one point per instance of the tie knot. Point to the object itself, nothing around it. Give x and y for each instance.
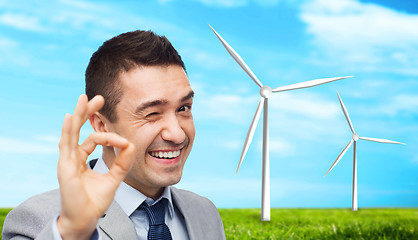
(156, 212)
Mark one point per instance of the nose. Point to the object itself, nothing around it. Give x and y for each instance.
(173, 131)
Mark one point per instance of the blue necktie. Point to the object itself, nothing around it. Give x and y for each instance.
(158, 230)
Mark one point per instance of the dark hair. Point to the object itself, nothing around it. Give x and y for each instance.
(122, 53)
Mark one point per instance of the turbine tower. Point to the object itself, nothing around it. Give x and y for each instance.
(354, 139)
(265, 92)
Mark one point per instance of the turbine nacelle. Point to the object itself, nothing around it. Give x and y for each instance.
(265, 91)
(355, 137)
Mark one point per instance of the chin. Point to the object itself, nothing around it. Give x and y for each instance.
(173, 179)
(170, 179)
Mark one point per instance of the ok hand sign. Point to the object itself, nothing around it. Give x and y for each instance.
(85, 194)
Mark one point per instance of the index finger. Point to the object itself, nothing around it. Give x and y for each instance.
(103, 138)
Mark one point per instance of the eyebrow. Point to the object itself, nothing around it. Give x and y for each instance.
(160, 102)
(188, 96)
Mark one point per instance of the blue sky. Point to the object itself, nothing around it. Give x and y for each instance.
(45, 47)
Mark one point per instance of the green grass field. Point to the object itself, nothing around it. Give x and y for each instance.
(321, 224)
(396, 223)
(3, 213)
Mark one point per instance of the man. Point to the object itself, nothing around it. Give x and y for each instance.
(139, 106)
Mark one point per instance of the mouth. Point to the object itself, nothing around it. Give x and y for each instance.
(167, 155)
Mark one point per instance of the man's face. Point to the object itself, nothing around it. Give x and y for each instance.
(154, 114)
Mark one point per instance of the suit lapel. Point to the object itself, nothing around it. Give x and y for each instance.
(116, 224)
(189, 217)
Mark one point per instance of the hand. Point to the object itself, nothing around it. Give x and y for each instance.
(85, 194)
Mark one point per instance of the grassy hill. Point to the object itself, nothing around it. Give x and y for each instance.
(385, 223)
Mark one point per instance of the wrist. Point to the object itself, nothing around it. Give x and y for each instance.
(74, 229)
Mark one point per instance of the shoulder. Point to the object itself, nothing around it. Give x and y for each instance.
(31, 216)
(46, 203)
(191, 198)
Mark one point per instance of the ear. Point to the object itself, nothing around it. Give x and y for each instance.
(98, 122)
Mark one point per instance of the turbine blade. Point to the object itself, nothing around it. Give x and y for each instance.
(340, 156)
(307, 84)
(381, 140)
(251, 131)
(237, 58)
(346, 113)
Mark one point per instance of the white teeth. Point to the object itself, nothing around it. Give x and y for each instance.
(172, 154)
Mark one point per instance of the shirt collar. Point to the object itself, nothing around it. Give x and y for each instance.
(128, 197)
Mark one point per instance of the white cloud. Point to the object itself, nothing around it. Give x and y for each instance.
(69, 17)
(11, 145)
(279, 146)
(402, 103)
(308, 105)
(293, 119)
(81, 4)
(233, 144)
(204, 58)
(228, 107)
(350, 23)
(7, 43)
(365, 33)
(79, 15)
(224, 3)
(268, 2)
(240, 109)
(406, 104)
(48, 138)
(22, 21)
(84, 15)
(239, 3)
(164, 1)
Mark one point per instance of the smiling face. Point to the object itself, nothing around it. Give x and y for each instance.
(154, 114)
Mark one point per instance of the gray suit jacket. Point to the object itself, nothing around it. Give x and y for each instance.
(33, 218)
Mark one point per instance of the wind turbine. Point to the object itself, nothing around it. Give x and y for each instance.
(354, 139)
(265, 92)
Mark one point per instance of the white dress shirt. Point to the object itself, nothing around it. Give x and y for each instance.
(129, 200)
